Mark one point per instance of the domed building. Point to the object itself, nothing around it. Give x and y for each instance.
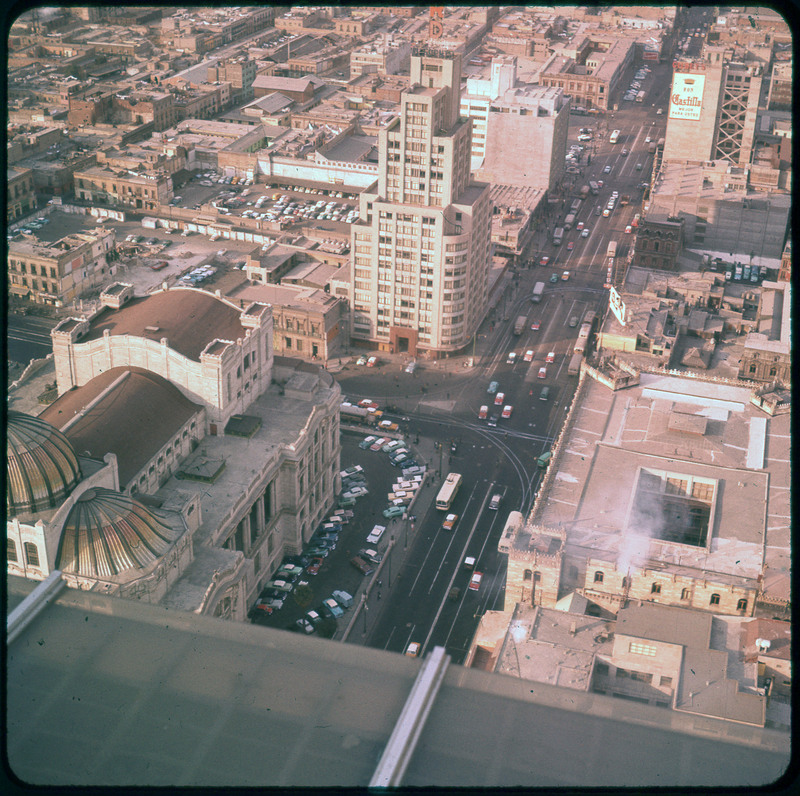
(66, 513)
(42, 468)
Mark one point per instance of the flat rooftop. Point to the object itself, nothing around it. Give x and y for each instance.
(122, 693)
(621, 445)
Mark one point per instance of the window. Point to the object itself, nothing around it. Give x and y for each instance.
(684, 594)
(31, 554)
(11, 550)
(714, 599)
(639, 648)
(666, 680)
(601, 668)
(527, 575)
(741, 605)
(598, 577)
(655, 588)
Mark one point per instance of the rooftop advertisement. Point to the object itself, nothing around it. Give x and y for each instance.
(686, 99)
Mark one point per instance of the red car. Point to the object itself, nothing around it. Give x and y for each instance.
(314, 566)
(475, 581)
(570, 246)
(551, 357)
(535, 326)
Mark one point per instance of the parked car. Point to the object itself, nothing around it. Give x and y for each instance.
(379, 443)
(313, 567)
(305, 626)
(372, 362)
(368, 554)
(343, 598)
(331, 608)
(367, 441)
(573, 321)
(393, 511)
(364, 567)
(375, 534)
(475, 581)
(393, 445)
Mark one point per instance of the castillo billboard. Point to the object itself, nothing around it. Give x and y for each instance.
(686, 99)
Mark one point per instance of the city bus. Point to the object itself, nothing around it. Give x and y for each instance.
(614, 137)
(448, 492)
(612, 249)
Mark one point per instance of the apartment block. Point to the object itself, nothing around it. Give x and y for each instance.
(422, 251)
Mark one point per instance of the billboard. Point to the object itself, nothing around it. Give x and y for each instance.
(617, 306)
(686, 99)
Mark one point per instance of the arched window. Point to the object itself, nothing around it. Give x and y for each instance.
(11, 550)
(31, 554)
(537, 576)
(714, 599)
(598, 577)
(684, 594)
(741, 605)
(625, 582)
(527, 575)
(655, 588)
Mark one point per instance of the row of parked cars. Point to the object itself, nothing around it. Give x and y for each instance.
(399, 454)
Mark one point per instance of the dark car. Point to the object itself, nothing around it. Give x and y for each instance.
(364, 567)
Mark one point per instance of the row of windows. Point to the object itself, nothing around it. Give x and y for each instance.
(19, 265)
(31, 553)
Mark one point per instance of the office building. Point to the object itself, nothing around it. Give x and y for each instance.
(713, 105)
(422, 249)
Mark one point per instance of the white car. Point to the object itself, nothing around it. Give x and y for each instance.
(375, 534)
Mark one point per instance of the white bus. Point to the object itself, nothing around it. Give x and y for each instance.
(614, 137)
(448, 491)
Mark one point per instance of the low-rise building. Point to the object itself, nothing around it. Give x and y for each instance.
(767, 353)
(58, 272)
(123, 187)
(20, 195)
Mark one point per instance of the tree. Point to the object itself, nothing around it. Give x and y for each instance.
(304, 595)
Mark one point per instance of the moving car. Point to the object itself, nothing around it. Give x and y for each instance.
(551, 357)
(528, 355)
(606, 169)
(564, 276)
(475, 581)
(542, 373)
(554, 278)
(493, 386)
(499, 398)
(413, 649)
(570, 246)
(544, 261)
(535, 326)
(507, 410)
(492, 421)
(494, 503)
(579, 226)
(449, 522)
(483, 412)
(585, 232)
(512, 358)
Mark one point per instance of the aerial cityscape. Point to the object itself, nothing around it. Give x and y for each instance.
(391, 385)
